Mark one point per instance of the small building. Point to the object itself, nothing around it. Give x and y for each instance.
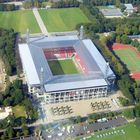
(129, 8)
(5, 112)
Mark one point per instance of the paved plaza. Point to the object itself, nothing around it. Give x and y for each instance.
(53, 112)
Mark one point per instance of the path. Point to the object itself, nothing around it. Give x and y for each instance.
(40, 22)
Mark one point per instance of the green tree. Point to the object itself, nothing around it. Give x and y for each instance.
(125, 39)
(25, 130)
(124, 101)
(137, 110)
(18, 134)
(3, 137)
(137, 94)
(129, 113)
(117, 3)
(137, 123)
(17, 96)
(10, 132)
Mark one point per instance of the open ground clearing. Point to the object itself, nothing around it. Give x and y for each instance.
(19, 111)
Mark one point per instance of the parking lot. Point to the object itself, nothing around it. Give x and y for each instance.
(59, 132)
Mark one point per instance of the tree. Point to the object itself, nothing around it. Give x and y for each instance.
(138, 9)
(17, 84)
(3, 137)
(18, 134)
(135, 30)
(10, 132)
(117, 3)
(7, 102)
(125, 39)
(129, 113)
(124, 101)
(122, 7)
(25, 130)
(94, 116)
(118, 39)
(137, 123)
(137, 110)
(78, 119)
(17, 96)
(137, 94)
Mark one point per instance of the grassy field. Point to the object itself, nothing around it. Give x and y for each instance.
(131, 133)
(19, 111)
(59, 20)
(59, 67)
(129, 58)
(19, 21)
(106, 7)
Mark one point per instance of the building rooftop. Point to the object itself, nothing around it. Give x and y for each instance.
(111, 12)
(33, 59)
(129, 6)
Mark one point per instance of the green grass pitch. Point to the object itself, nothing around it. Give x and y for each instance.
(106, 7)
(131, 133)
(59, 67)
(19, 111)
(19, 21)
(129, 58)
(66, 19)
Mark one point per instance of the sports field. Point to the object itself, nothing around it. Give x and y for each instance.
(19, 21)
(130, 58)
(126, 132)
(59, 20)
(60, 67)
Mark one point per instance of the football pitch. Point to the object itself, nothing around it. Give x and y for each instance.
(65, 19)
(60, 67)
(130, 59)
(126, 132)
(19, 21)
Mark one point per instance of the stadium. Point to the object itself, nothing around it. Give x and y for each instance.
(65, 68)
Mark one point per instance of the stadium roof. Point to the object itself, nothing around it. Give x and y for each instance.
(111, 12)
(33, 59)
(129, 6)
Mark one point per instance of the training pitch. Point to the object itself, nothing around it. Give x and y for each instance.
(19, 21)
(65, 19)
(130, 59)
(60, 67)
(126, 132)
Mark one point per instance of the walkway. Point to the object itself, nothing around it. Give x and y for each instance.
(40, 22)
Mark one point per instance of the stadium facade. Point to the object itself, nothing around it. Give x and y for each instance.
(94, 78)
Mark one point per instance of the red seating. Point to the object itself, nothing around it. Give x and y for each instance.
(81, 63)
(60, 53)
(63, 53)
